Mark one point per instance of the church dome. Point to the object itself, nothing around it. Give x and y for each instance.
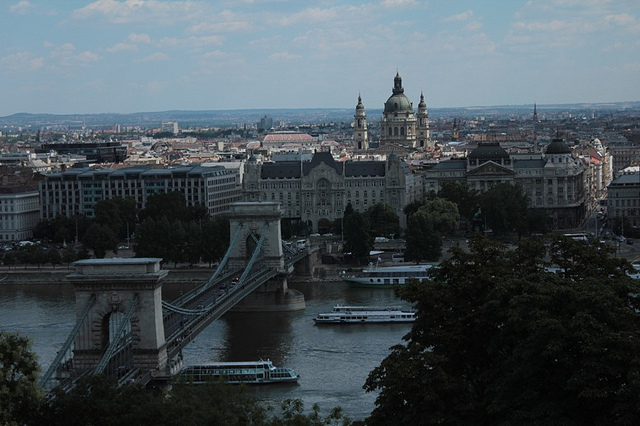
(489, 151)
(398, 101)
(557, 146)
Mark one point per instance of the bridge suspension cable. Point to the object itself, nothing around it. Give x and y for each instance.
(70, 340)
(256, 253)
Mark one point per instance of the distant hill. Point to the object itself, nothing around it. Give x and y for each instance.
(219, 118)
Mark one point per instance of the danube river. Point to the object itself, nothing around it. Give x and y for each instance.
(333, 360)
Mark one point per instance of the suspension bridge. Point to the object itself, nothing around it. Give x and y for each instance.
(126, 331)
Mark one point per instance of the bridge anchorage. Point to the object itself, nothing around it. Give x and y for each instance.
(126, 331)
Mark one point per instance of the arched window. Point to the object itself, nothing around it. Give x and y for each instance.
(395, 131)
(390, 131)
(401, 131)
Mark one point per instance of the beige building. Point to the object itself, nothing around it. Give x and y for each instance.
(623, 199)
(316, 192)
(553, 181)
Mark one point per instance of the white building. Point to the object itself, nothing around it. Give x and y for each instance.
(19, 212)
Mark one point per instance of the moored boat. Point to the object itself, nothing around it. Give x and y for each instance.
(388, 276)
(366, 314)
(247, 372)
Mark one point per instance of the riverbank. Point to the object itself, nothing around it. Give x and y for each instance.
(50, 275)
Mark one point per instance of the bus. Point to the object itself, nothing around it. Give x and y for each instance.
(580, 236)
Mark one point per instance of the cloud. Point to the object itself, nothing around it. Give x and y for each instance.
(473, 26)
(123, 47)
(66, 56)
(154, 57)
(221, 27)
(22, 7)
(309, 16)
(139, 38)
(21, 62)
(396, 3)
(283, 56)
(464, 16)
(139, 11)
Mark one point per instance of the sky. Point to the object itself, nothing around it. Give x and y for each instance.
(73, 57)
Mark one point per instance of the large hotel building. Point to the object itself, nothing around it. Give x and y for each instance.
(76, 191)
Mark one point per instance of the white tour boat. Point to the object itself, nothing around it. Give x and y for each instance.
(388, 276)
(366, 314)
(247, 372)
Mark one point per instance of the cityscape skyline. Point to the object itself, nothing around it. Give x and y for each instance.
(130, 56)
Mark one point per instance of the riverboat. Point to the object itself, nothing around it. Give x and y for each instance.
(366, 314)
(388, 276)
(243, 372)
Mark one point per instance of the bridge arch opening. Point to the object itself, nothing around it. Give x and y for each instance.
(111, 323)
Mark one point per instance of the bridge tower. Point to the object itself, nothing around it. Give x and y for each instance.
(125, 294)
(254, 218)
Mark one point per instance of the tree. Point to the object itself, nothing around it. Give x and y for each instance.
(20, 395)
(423, 241)
(54, 257)
(460, 194)
(99, 401)
(499, 340)
(505, 208)
(100, 239)
(215, 239)
(382, 220)
(425, 228)
(356, 235)
(118, 214)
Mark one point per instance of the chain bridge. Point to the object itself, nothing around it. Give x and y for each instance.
(125, 330)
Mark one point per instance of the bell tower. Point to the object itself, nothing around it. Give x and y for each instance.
(360, 132)
(424, 136)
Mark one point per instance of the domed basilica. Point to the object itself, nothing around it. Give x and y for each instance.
(400, 127)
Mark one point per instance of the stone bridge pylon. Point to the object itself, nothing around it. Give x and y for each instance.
(252, 219)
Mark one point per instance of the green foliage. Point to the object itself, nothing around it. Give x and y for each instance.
(423, 241)
(358, 241)
(499, 340)
(117, 213)
(99, 401)
(505, 209)
(215, 239)
(382, 220)
(426, 226)
(20, 396)
(460, 194)
(100, 239)
(62, 229)
(173, 206)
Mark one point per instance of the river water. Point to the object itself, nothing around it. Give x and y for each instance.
(333, 360)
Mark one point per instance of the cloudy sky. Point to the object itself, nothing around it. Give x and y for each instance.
(72, 56)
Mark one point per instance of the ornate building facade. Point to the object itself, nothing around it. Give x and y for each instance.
(316, 193)
(553, 181)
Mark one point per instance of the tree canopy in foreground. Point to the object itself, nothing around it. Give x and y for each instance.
(498, 340)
